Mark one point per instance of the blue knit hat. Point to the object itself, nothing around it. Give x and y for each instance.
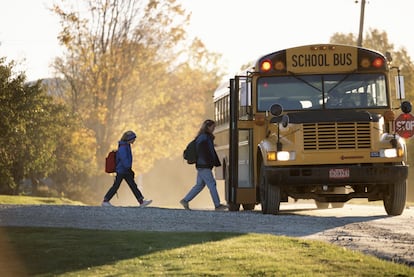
(128, 136)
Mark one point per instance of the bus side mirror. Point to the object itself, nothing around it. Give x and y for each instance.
(276, 109)
(406, 107)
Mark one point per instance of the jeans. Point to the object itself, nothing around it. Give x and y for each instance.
(204, 177)
(129, 178)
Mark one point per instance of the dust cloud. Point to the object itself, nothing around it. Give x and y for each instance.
(166, 185)
(169, 182)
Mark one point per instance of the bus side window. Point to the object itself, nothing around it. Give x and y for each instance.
(245, 94)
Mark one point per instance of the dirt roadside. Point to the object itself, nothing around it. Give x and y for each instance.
(371, 231)
(363, 228)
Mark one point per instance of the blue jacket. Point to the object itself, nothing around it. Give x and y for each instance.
(206, 154)
(123, 157)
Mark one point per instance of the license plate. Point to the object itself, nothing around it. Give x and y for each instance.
(338, 173)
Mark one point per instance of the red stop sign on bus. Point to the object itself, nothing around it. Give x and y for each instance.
(404, 125)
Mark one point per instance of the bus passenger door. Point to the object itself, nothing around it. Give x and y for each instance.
(239, 184)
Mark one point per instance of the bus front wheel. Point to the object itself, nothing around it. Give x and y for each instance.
(394, 199)
(269, 195)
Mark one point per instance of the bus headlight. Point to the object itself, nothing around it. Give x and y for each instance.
(389, 153)
(283, 156)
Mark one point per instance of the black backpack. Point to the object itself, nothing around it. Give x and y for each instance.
(190, 152)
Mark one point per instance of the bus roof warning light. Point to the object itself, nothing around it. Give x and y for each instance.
(378, 62)
(365, 63)
(266, 65)
(279, 65)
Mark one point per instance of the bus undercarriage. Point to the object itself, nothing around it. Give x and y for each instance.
(385, 182)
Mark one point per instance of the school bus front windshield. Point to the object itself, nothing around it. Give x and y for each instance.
(316, 92)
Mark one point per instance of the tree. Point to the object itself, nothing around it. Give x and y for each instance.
(9, 126)
(23, 123)
(33, 126)
(129, 65)
(378, 41)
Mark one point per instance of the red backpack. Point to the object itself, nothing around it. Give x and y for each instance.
(110, 162)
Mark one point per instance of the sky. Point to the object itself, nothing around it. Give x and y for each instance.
(240, 30)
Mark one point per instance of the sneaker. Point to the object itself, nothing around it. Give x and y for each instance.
(106, 204)
(145, 203)
(185, 204)
(221, 207)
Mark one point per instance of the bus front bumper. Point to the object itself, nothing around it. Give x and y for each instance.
(337, 174)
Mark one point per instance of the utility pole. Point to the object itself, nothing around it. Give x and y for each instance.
(361, 23)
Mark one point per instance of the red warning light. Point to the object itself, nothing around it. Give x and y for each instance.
(378, 62)
(266, 65)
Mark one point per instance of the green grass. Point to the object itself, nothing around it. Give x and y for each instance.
(33, 200)
(27, 251)
(72, 252)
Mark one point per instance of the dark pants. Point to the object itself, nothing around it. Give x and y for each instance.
(129, 178)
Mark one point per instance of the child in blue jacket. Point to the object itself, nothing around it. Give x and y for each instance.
(124, 171)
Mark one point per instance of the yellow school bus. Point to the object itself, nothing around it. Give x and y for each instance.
(311, 122)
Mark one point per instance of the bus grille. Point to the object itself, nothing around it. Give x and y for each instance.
(339, 135)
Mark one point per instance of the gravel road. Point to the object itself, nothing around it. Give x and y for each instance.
(364, 228)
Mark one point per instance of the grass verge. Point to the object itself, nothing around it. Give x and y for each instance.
(26, 251)
(33, 200)
(73, 252)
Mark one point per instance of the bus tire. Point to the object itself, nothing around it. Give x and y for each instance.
(269, 195)
(394, 199)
